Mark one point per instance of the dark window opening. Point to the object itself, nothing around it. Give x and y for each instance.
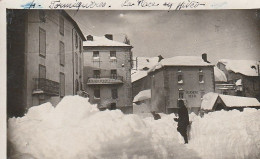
(42, 71)
(180, 79)
(61, 21)
(113, 106)
(114, 93)
(62, 84)
(96, 92)
(112, 54)
(95, 53)
(62, 54)
(113, 74)
(96, 73)
(42, 42)
(201, 80)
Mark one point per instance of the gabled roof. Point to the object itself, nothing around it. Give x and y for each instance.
(245, 67)
(181, 61)
(210, 99)
(103, 41)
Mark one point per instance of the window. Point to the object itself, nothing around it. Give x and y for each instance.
(113, 74)
(201, 80)
(114, 93)
(76, 63)
(200, 70)
(42, 42)
(181, 94)
(97, 92)
(202, 92)
(95, 53)
(96, 73)
(77, 85)
(179, 70)
(42, 71)
(76, 40)
(62, 84)
(62, 54)
(61, 21)
(180, 79)
(112, 53)
(113, 106)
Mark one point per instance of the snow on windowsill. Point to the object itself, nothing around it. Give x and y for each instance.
(112, 58)
(95, 58)
(180, 82)
(201, 81)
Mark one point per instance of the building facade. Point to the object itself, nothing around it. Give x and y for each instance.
(44, 58)
(107, 73)
(182, 77)
(243, 75)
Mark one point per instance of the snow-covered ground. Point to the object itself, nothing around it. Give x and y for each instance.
(76, 129)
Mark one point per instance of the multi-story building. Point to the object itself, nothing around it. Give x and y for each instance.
(107, 72)
(44, 58)
(244, 75)
(181, 77)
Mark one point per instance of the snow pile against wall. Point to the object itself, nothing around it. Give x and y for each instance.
(77, 129)
(245, 67)
(110, 134)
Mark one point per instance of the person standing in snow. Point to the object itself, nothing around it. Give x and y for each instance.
(183, 120)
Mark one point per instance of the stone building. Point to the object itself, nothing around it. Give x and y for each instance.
(107, 73)
(244, 74)
(181, 77)
(44, 58)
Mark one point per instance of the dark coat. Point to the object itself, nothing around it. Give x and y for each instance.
(183, 120)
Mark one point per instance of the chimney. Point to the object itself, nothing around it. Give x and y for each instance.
(90, 38)
(204, 57)
(109, 36)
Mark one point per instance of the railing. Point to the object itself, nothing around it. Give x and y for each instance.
(113, 79)
(45, 86)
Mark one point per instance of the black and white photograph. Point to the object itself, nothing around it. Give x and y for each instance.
(133, 84)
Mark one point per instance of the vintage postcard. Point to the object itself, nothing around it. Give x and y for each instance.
(130, 79)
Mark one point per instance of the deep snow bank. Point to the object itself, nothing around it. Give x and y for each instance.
(76, 129)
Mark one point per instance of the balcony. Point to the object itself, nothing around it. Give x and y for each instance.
(45, 86)
(105, 80)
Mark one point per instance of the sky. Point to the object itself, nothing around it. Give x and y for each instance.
(222, 34)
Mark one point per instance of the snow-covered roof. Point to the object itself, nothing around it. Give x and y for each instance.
(245, 67)
(209, 100)
(219, 75)
(237, 101)
(137, 74)
(143, 62)
(143, 95)
(103, 41)
(181, 61)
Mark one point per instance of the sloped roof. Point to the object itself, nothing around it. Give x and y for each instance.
(181, 61)
(210, 98)
(137, 74)
(219, 75)
(245, 67)
(143, 95)
(237, 101)
(103, 41)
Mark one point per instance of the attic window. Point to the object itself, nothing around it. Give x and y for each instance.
(180, 79)
(253, 67)
(200, 70)
(179, 70)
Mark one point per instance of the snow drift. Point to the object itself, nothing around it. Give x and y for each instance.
(77, 129)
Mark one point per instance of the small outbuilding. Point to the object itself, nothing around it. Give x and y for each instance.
(214, 102)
